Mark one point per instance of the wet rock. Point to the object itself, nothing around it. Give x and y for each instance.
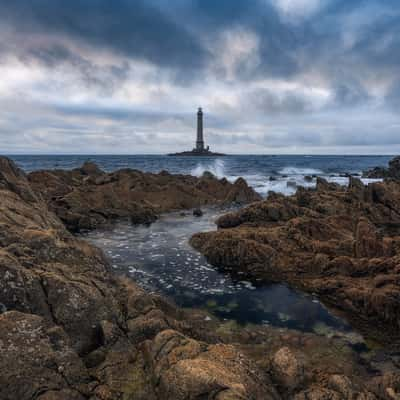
(308, 178)
(197, 212)
(208, 175)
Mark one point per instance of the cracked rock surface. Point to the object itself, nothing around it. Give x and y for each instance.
(70, 330)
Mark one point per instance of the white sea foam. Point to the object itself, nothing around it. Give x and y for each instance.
(300, 171)
(217, 168)
(286, 181)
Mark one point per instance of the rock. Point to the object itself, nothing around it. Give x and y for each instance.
(338, 242)
(70, 330)
(208, 175)
(90, 168)
(189, 369)
(87, 198)
(272, 178)
(323, 185)
(241, 193)
(65, 314)
(357, 187)
(37, 359)
(197, 212)
(376, 173)
(288, 369)
(308, 178)
(394, 168)
(367, 241)
(393, 171)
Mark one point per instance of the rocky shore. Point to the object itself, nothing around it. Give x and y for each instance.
(87, 197)
(340, 243)
(71, 330)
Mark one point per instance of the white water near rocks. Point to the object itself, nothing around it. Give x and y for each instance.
(286, 180)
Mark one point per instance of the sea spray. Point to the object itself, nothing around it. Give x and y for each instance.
(217, 168)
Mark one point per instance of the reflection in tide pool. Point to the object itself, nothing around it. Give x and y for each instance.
(160, 259)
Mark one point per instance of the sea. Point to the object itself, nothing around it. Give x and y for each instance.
(160, 259)
(280, 173)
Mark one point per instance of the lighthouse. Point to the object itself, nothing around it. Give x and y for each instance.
(200, 138)
(200, 149)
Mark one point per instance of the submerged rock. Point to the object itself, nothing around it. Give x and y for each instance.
(197, 212)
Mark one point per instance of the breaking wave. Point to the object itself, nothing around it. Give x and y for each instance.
(217, 168)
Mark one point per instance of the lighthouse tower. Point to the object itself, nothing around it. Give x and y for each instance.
(200, 139)
(200, 150)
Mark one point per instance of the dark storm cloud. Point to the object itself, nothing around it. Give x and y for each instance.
(175, 36)
(133, 28)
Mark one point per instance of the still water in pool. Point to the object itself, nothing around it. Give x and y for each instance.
(160, 259)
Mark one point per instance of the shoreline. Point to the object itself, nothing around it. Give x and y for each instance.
(100, 337)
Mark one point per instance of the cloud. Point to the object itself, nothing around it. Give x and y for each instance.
(135, 29)
(272, 75)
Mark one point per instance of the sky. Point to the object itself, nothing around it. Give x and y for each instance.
(272, 76)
